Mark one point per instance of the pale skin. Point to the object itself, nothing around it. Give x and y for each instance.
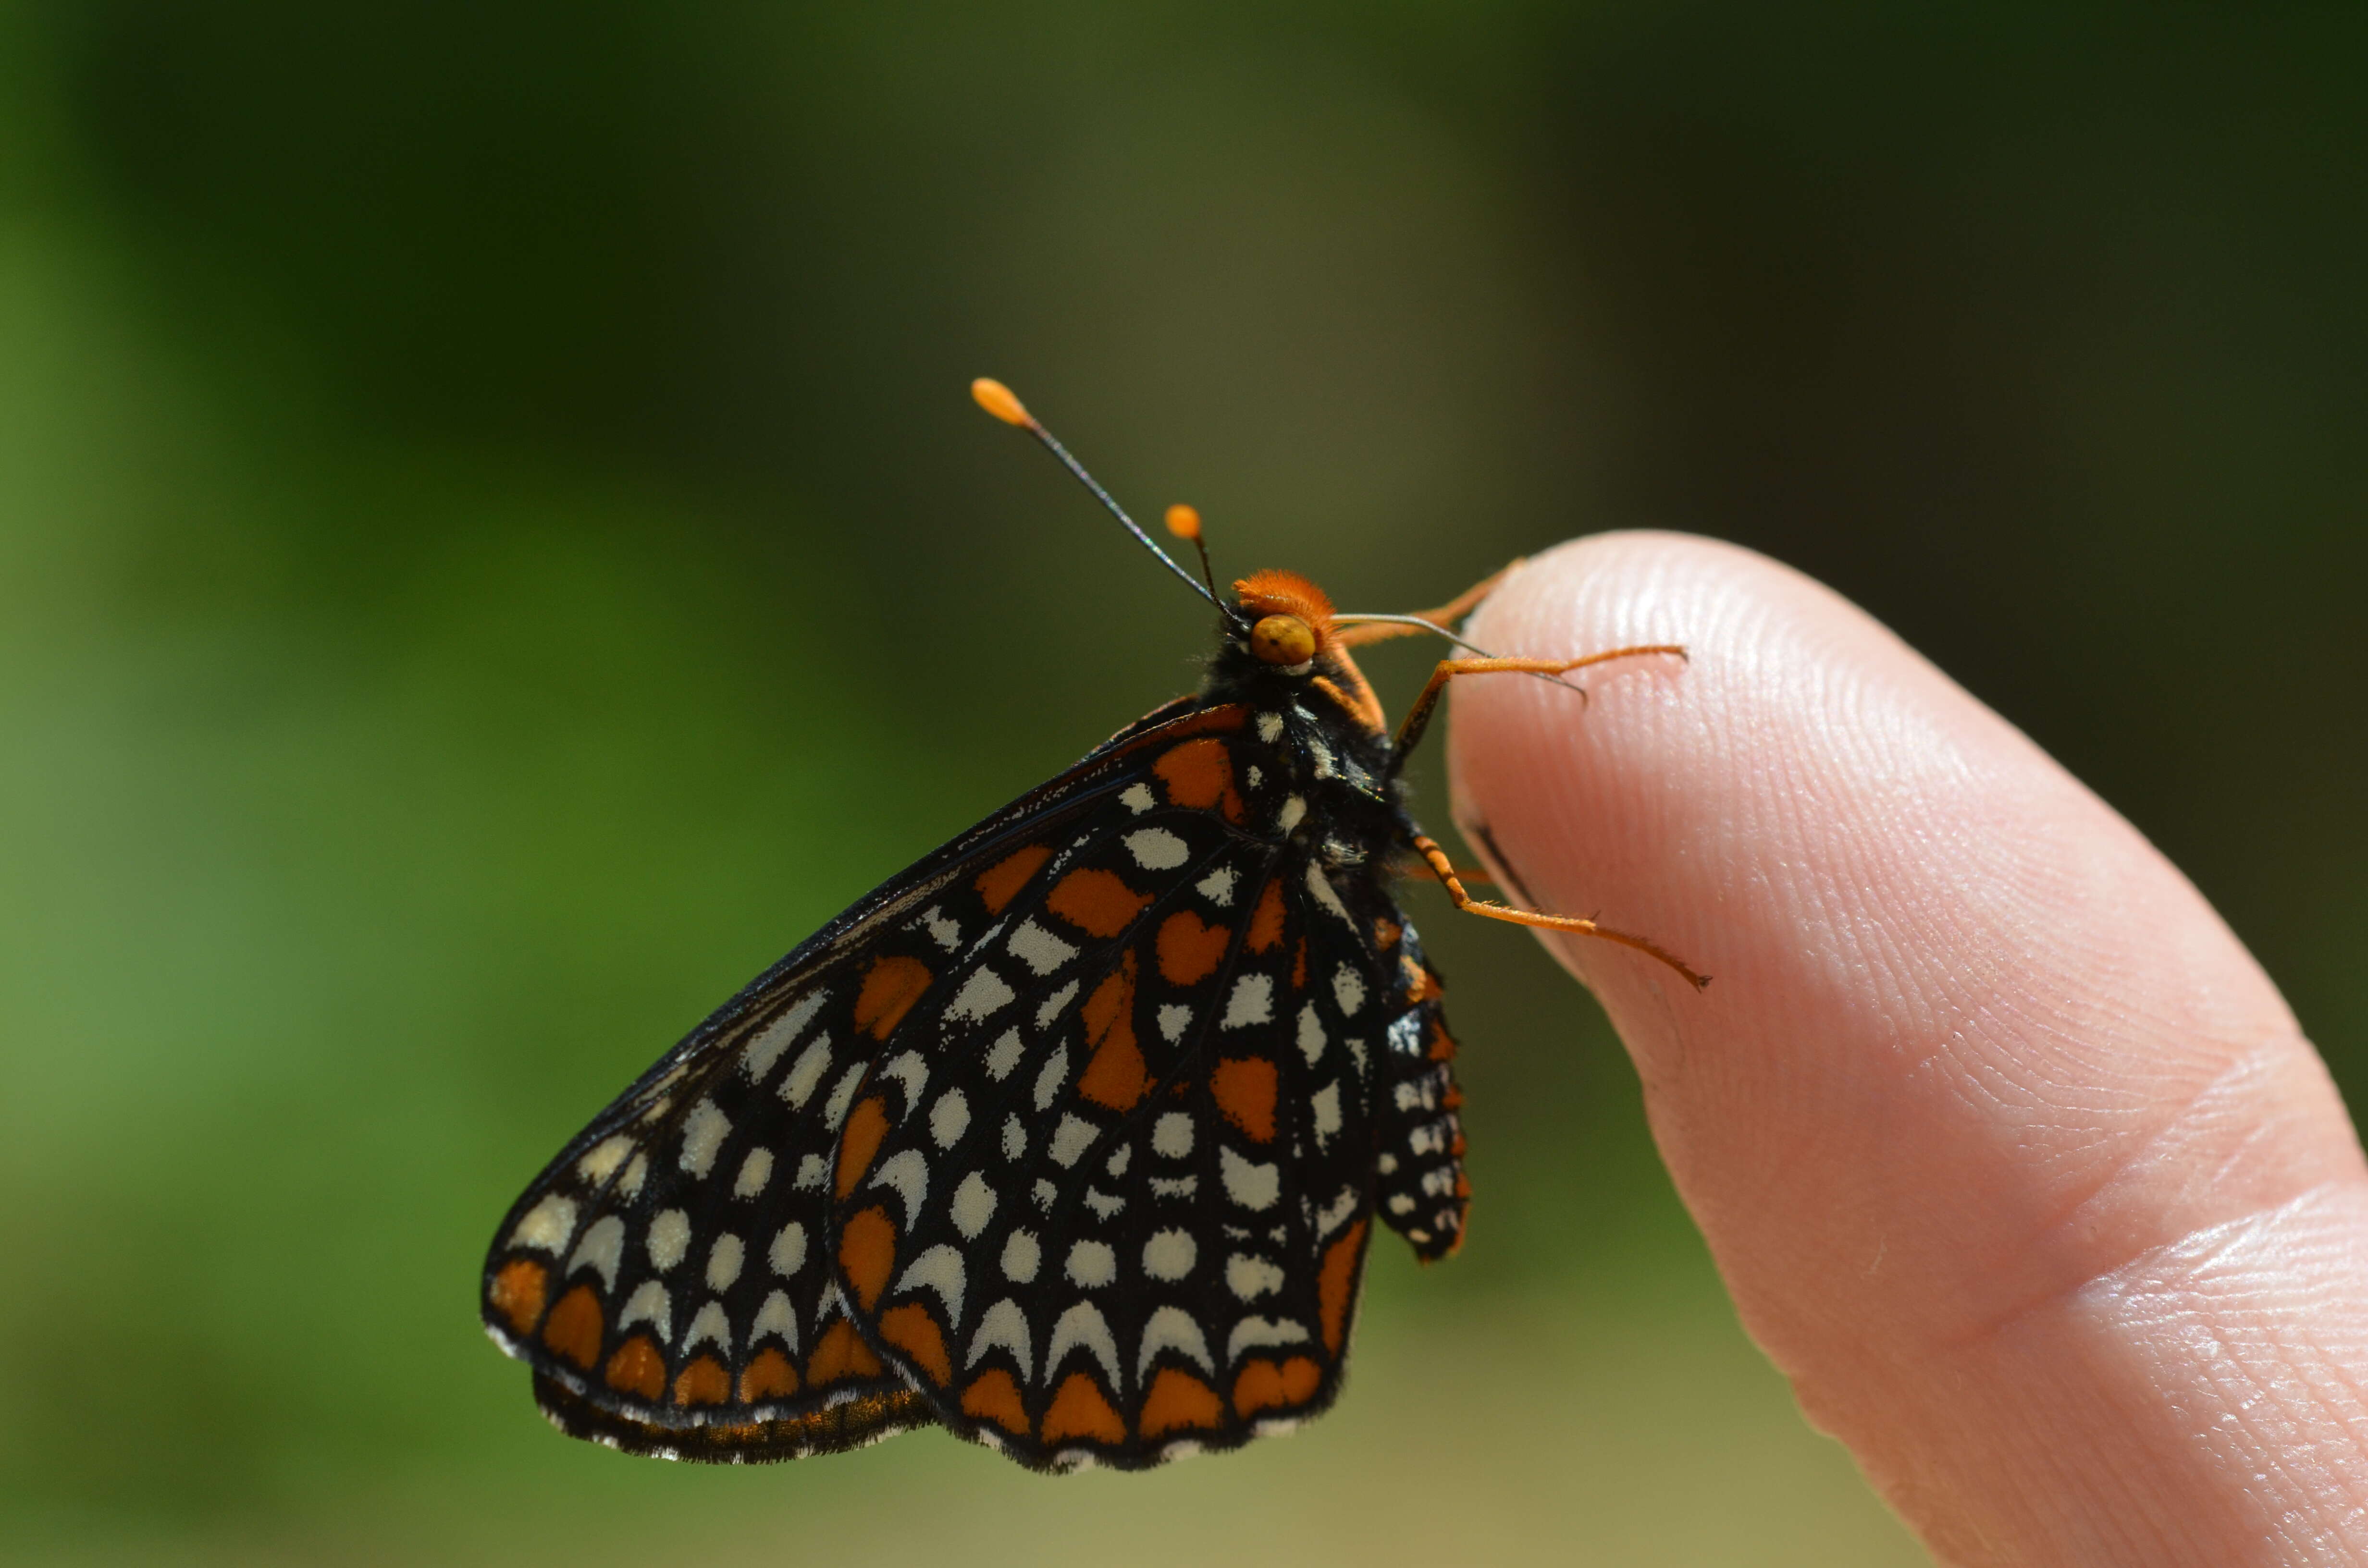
(2016, 1163)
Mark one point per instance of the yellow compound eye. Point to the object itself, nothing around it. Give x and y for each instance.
(1282, 639)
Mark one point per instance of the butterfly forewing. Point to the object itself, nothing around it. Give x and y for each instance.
(676, 1267)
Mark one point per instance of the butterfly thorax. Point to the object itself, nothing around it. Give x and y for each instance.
(1321, 723)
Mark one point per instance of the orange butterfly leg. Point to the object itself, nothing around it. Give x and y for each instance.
(1417, 717)
(1444, 870)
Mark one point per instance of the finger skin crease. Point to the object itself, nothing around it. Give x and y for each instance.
(2153, 1188)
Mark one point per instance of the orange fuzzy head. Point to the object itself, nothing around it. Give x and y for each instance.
(1290, 617)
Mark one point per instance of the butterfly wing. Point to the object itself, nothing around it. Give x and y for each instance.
(1135, 1224)
(672, 1275)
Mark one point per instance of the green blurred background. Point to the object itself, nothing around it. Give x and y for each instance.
(495, 548)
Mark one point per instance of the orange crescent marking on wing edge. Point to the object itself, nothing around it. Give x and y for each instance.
(1178, 1400)
(574, 1327)
(840, 1353)
(704, 1381)
(911, 1329)
(1244, 1088)
(516, 1292)
(889, 988)
(1080, 1410)
(1262, 1385)
(637, 1369)
(993, 1396)
(769, 1375)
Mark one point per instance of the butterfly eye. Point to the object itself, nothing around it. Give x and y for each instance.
(1282, 639)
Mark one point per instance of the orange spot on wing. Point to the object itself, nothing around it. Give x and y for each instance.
(574, 1327)
(704, 1381)
(1335, 1284)
(1178, 1400)
(867, 1124)
(867, 1250)
(889, 988)
(995, 1397)
(840, 1353)
(516, 1292)
(911, 1329)
(1442, 1048)
(1386, 931)
(1266, 925)
(1190, 951)
(1080, 1410)
(769, 1375)
(1116, 1078)
(1001, 882)
(637, 1369)
(1421, 985)
(1244, 1089)
(1095, 901)
(1199, 774)
(1262, 1385)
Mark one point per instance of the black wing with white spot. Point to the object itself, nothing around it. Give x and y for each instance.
(1134, 1225)
(671, 1277)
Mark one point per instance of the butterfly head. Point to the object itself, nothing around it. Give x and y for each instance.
(1290, 619)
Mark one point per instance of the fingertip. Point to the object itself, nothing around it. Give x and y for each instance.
(1973, 1043)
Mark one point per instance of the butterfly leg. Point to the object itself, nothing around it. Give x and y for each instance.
(1447, 614)
(1444, 869)
(1418, 719)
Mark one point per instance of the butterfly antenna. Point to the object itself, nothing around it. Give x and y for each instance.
(1184, 522)
(996, 399)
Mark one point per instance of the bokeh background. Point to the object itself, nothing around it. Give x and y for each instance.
(495, 548)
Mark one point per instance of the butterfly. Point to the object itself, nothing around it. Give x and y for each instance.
(1071, 1138)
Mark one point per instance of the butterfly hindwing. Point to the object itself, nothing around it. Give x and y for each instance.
(1127, 1214)
(1418, 1160)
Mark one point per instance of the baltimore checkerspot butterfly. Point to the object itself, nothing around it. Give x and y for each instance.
(1070, 1137)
